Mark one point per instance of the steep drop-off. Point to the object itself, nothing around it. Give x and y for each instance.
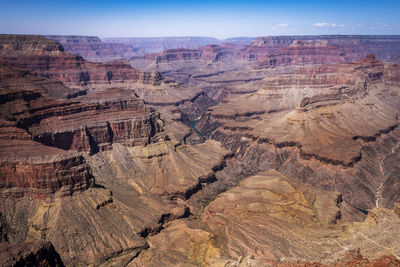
(296, 161)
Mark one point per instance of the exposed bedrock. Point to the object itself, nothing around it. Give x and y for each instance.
(53, 151)
(97, 120)
(266, 219)
(302, 168)
(66, 176)
(209, 52)
(331, 136)
(39, 253)
(275, 50)
(28, 168)
(93, 49)
(138, 190)
(47, 58)
(158, 44)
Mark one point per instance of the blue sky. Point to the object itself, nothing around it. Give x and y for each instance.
(221, 19)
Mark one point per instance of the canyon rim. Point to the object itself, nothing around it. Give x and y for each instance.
(122, 148)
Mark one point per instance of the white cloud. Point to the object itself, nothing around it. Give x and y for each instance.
(282, 25)
(381, 24)
(324, 24)
(377, 26)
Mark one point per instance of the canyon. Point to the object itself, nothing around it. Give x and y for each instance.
(191, 151)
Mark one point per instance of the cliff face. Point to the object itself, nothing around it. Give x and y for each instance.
(48, 130)
(93, 49)
(348, 47)
(46, 58)
(82, 77)
(30, 254)
(338, 116)
(208, 53)
(159, 44)
(28, 168)
(84, 125)
(300, 52)
(96, 159)
(92, 162)
(33, 44)
(272, 220)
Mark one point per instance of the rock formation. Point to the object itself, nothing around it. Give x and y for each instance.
(65, 158)
(304, 52)
(209, 53)
(283, 152)
(311, 112)
(159, 44)
(93, 49)
(47, 58)
(30, 254)
(351, 47)
(270, 218)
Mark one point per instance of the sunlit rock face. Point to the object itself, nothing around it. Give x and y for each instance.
(342, 118)
(346, 47)
(267, 220)
(93, 49)
(280, 152)
(82, 163)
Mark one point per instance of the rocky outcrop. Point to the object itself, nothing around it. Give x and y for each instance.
(92, 48)
(208, 53)
(305, 170)
(37, 253)
(83, 126)
(159, 44)
(347, 47)
(95, 174)
(174, 54)
(138, 190)
(47, 58)
(40, 179)
(28, 168)
(119, 121)
(83, 77)
(270, 219)
(302, 112)
(304, 52)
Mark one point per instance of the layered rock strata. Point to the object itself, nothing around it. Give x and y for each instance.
(93, 49)
(89, 173)
(40, 254)
(269, 219)
(47, 58)
(338, 116)
(351, 47)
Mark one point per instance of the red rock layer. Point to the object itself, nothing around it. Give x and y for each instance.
(47, 58)
(40, 253)
(82, 126)
(329, 115)
(350, 46)
(352, 259)
(30, 168)
(38, 134)
(209, 52)
(159, 44)
(93, 49)
(300, 52)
